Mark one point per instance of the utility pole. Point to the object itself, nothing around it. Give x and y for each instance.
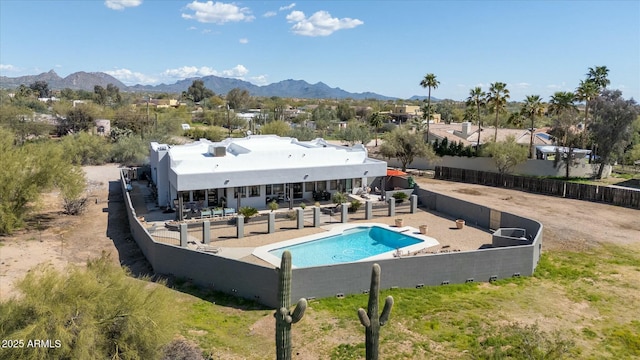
(228, 120)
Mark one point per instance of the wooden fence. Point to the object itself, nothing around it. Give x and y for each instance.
(604, 194)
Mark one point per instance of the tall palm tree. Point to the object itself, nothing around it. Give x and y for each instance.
(376, 120)
(429, 82)
(598, 75)
(477, 99)
(532, 107)
(497, 100)
(586, 91)
(562, 105)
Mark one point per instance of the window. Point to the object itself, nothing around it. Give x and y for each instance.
(241, 191)
(254, 191)
(321, 185)
(333, 185)
(309, 186)
(275, 189)
(357, 182)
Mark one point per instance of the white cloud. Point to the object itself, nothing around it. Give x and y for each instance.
(522, 85)
(269, 14)
(319, 24)
(121, 4)
(131, 78)
(288, 7)
(7, 67)
(192, 71)
(259, 80)
(244, 41)
(217, 12)
(192, 28)
(237, 72)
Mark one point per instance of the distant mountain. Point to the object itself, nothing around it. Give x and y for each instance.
(423, 98)
(76, 81)
(287, 88)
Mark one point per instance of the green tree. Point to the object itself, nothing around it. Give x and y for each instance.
(563, 109)
(78, 119)
(506, 154)
(345, 112)
(477, 99)
(198, 92)
(531, 108)
(28, 171)
(95, 312)
(376, 120)
(302, 133)
(497, 100)
(277, 127)
(238, 98)
(613, 129)
(41, 89)
(599, 75)
(587, 91)
(405, 147)
(355, 133)
(429, 81)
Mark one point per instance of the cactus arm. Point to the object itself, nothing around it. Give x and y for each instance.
(364, 318)
(298, 312)
(386, 311)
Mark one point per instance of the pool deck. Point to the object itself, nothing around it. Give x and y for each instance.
(441, 227)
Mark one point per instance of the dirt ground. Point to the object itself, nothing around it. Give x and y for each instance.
(568, 225)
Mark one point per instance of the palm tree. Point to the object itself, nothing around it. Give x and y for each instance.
(376, 120)
(532, 107)
(497, 99)
(562, 104)
(586, 91)
(598, 75)
(429, 82)
(477, 98)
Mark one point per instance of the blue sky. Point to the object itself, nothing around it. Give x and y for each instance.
(536, 47)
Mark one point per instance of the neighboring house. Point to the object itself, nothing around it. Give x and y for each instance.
(251, 171)
(405, 113)
(467, 134)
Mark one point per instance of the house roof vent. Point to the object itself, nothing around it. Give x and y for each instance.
(217, 151)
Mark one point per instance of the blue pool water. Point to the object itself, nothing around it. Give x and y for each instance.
(351, 245)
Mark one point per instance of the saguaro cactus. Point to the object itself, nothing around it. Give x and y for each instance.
(284, 317)
(370, 319)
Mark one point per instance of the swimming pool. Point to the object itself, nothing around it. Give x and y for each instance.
(347, 243)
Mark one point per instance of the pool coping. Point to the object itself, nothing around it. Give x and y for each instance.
(262, 252)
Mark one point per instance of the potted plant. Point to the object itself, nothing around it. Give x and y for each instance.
(459, 223)
(399, 222)
(354, 206)
(247, 212)
(339, 198)
(303, 205)
(400, 196)
(273, 205)
(424, 229)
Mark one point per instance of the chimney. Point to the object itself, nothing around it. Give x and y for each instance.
(466, 129)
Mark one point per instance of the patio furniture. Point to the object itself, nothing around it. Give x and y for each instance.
(229, 211)
(205, 213)
(218, 212)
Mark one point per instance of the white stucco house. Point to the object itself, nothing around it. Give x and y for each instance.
(253, 170)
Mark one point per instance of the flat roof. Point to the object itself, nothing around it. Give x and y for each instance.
(263, 152)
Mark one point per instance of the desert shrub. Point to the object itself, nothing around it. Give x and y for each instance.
(86, 149)
(95, 312)
(339, 198)
(182, 349)
(273, 205)
(355, 205)
(130, 151)
(400, 196)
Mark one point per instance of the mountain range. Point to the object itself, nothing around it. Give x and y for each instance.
(287, 88)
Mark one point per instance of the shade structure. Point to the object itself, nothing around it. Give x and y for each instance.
(392, 172)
